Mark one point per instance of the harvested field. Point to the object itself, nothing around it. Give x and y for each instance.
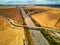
(48, 18)
(9, 34)
(13, 13)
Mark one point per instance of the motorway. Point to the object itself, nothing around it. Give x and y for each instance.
(36, 34)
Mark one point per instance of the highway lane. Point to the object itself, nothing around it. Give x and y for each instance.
(27, 19)
(38, 38)
(36, 35)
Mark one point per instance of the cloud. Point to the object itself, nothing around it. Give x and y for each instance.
(31, 1)
(47, 1)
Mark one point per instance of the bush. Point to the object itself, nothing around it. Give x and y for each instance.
(37, 24)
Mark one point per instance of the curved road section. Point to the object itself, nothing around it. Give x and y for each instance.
(36, 34)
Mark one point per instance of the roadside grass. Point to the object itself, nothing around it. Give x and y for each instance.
(48, 37)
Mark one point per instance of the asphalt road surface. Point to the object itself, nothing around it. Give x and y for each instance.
(36, 35)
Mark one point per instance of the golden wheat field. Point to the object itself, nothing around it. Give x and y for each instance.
(9, 34)
(47, 16)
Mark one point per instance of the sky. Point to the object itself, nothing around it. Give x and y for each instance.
(29, 1)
